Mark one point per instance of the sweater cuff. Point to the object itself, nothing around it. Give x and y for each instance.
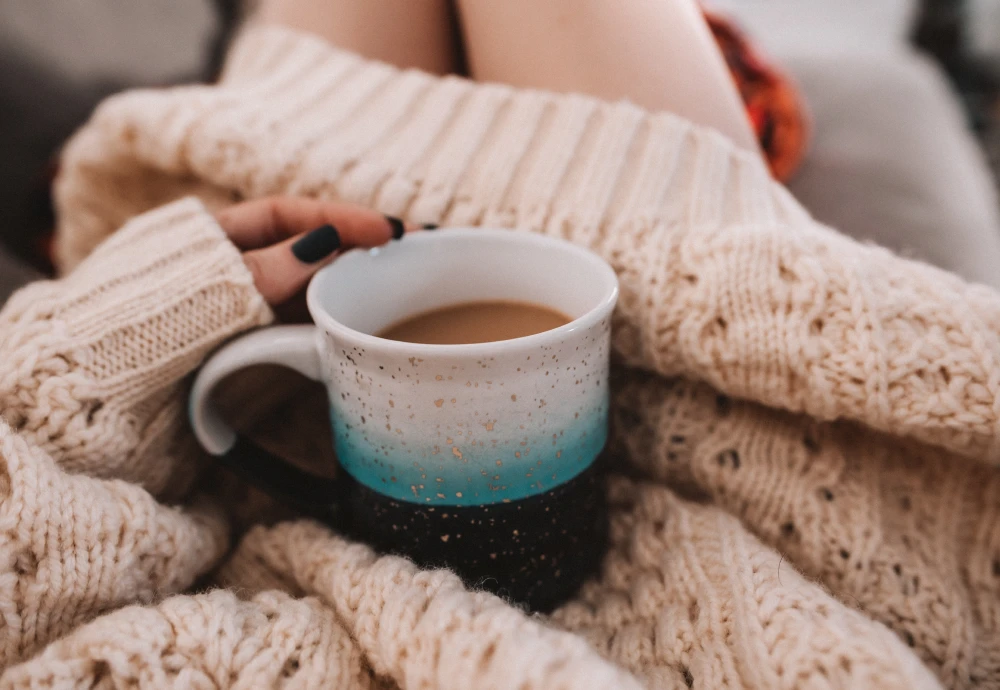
(147, 305)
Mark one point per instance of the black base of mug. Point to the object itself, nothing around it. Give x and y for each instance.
(535, 551)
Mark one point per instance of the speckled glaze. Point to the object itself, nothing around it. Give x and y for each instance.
(466, 425)
(462, 453)
(477, 457)
(447, 430)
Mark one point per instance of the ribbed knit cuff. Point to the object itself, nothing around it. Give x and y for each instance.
(90, 363)
(146, 307)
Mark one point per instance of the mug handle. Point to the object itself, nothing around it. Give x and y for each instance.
(296, 348)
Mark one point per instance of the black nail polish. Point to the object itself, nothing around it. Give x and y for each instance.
(317, 244)
(397, 227)
(431, 226)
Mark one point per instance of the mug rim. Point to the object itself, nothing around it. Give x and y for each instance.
(585, 321)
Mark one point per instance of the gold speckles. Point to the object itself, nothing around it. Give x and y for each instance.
(516, 533)
(439, 378)
(454, 400)
(413, 361)
(493, 556)
(489, 426)
(440, 495)
(391, 403)
(456, 452)
(449, 441)
(499, 463)
(517, 454)
(558, 453)
(458, 494)
(514, 398)
(439, 402)
(445, 538)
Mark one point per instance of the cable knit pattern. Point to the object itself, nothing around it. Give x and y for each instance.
(687, 594)
(72, 547)
(906, 532)
(208, 641)
(91, 362)
(421, 628)
(826, 409)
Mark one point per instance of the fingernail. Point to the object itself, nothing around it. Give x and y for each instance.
(317, 244)
(431, 226)
(397, 227)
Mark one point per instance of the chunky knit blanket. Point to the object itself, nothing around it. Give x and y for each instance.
(802, 477)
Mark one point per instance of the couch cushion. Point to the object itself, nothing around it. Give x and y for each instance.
(893, 162)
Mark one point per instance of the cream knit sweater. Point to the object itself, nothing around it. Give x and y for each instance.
(807, 425)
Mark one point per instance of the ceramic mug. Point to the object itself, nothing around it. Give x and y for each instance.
(476, 457)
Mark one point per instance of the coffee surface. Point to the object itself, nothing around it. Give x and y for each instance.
(476, 322)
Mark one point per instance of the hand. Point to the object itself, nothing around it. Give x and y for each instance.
(285, 240)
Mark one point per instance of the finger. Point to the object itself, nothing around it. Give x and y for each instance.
(267, 221)
(282, 270)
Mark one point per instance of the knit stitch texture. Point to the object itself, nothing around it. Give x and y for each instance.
(805, 429)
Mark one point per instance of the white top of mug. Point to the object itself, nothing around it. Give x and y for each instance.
(366, 290)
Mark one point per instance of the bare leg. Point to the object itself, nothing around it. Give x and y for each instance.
(658, 54)
(407, 33)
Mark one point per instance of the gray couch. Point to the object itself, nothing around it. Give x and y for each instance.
(892, 160)
(58, 59)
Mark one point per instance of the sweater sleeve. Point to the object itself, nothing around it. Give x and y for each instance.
(91, 364)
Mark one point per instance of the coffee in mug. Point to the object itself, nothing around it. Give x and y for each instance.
(474, 451)
(476, 322)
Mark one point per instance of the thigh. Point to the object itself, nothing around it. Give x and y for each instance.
(658, 54)
(407, 33)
